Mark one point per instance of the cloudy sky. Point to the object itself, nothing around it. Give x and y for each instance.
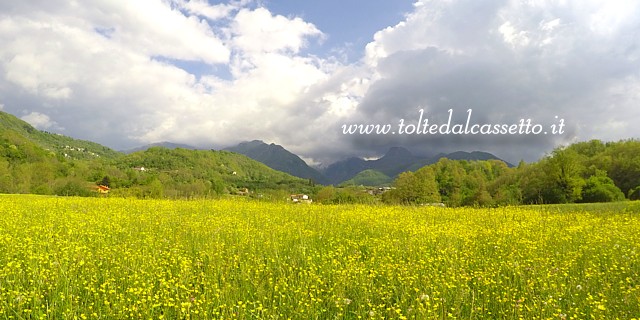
(212, 74)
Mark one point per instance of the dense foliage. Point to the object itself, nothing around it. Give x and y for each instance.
(154, 173)
(37, 162)
(591, 171)
(14, 131)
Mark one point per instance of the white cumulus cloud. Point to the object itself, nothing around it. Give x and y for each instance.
(40, 121)
(125, 73)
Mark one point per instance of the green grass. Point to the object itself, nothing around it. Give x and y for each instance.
(609, 207)
(101, 258)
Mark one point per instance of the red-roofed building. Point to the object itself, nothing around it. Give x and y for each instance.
(103, 189)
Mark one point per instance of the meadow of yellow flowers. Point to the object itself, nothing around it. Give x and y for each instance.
(108, 258)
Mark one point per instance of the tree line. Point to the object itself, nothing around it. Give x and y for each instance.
(592, 171)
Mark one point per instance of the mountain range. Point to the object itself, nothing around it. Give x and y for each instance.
(353, 170)
(394, 162)
(278, 158)
(349, 171)
(39, 162)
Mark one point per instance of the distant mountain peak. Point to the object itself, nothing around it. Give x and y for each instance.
(252, 143)
(277, 157)
(398, 152)
(395, 161)
(164, 144)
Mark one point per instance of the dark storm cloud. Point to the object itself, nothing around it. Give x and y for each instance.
(538, 71)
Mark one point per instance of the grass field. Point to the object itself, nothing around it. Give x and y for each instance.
(93, 258)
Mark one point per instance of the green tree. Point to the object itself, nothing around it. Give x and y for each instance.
(426, 186)
(634, 194)
(325, 194)
(533, 183)
(217, 185)
(405, 191)
(505, 189)
(600, 188)
(414, 188)
(449, 177)
(625, 164)
(71, 186)
(155, 189)
(6, 179)
(563, 170)
(475, 190)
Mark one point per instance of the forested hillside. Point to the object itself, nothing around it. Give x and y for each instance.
(179, 172)
(278, 158)
(14, 131)
(33, 161)
(592, 171)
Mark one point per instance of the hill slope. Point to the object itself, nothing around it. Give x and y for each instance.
(202, 172)
(369, 177)
(278, 158)
(395, 161)
(33, 161)
(165, 144)
(61, 145)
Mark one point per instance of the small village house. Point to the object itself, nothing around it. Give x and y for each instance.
(300, 198)
(102, 189)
